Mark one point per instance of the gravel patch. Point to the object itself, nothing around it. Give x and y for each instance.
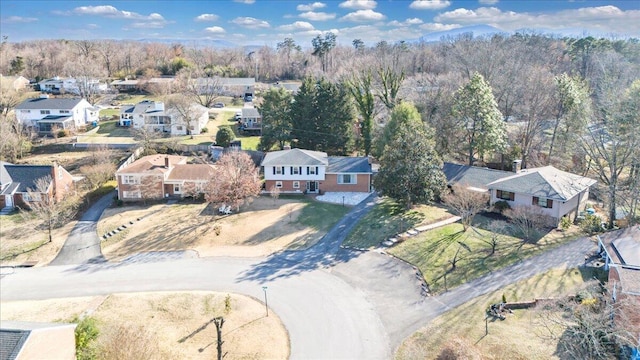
(349, 198)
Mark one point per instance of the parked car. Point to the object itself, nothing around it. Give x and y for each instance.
(218, 105)
(238, 115)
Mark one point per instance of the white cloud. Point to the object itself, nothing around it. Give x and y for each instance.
(488, 2)
(407, 22)
(439, 27)
(250, 23)
(363, 16)
(358, 4)
(248, 2)
(18, 19)
(206, 17)
(112, 12)
(93, 26)
(310, 7)
(297, 26)
(317, 16)
(215, 30)
(429, 4)
(603, 19)
(149, 25)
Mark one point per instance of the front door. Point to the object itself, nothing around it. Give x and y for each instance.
(312, 186)
(8, 200)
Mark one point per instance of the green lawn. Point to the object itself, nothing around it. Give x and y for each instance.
(109, 113)
(388, 219)
(109, 128)
(321, 216)
(433, 251)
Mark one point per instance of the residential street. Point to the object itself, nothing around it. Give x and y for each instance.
(336, 304)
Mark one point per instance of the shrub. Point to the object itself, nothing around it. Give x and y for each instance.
(565, 223)
(63, 133)
(86, 333)
(591, 224)
(204, 130)
(501, 206)
(224, 136)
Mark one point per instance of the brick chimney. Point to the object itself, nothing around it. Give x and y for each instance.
(517, 166)
(166, 162)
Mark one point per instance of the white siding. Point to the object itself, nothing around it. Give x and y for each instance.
(269, 175)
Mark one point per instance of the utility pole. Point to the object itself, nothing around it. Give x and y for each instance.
(266, 305)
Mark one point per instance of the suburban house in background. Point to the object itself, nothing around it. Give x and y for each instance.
(46, 114)
(58, 85)
(555, 192)
(620, 250)
(17, 180)
(22, 340)
(250, 121)
(290, 86)
(162, 176)
(138, 85)
(236, 87)
(305, 171)
(154, 116)
(15, 83)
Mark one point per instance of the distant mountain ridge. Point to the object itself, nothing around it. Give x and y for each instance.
(476, 30)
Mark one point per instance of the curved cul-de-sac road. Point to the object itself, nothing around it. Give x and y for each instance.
(335, 303)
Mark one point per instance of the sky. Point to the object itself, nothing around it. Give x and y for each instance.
(267, 22)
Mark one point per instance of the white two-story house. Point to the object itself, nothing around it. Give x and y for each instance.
(305, 171)
(153, 115)
(46, 114)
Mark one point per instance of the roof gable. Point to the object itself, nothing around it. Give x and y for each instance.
(192, 172)
(152, 163)
(295, 157)
(472, 176)
(24, 177)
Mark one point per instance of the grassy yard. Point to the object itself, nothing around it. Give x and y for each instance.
(388, 219)
(434, 251)
(462, 331)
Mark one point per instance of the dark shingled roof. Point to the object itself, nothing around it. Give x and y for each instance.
(472, 176)
(11, 342)
(24, 177)
(46, 103)
(344, 164)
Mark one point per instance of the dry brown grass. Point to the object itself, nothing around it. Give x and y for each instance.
(259, 229)
(517, 337)
(171, 322)
(19, 237)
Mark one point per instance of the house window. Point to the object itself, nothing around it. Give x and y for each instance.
(296, 170)
(542, 202)
(179, 128)
(31, 197)
(177, 189)
(296, 184)
(346, 179)
(129, 179)
(312, 170)
(278, 170)
(505, 195)
(45, 112)
(65, 112)
(278, 184)
(131, 194)
(25, 111)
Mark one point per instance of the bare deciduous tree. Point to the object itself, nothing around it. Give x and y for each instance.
(529, 221)
(52, 211)
(466, 203)
(236, 181)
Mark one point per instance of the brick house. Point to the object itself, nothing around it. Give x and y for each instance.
(305, 171)
(162, 176)
(17, 180)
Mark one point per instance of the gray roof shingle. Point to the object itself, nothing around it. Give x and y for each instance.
(472, 176)
(11, 342)
(547, 182)
(24, 177)
(295, 157)
(345, 164)
(49, 103)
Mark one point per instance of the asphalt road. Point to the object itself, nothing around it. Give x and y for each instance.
(335, 303)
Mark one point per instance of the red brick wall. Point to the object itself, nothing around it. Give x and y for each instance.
(287, 186)
(331, 184)
(62, 181)
(2, 202)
